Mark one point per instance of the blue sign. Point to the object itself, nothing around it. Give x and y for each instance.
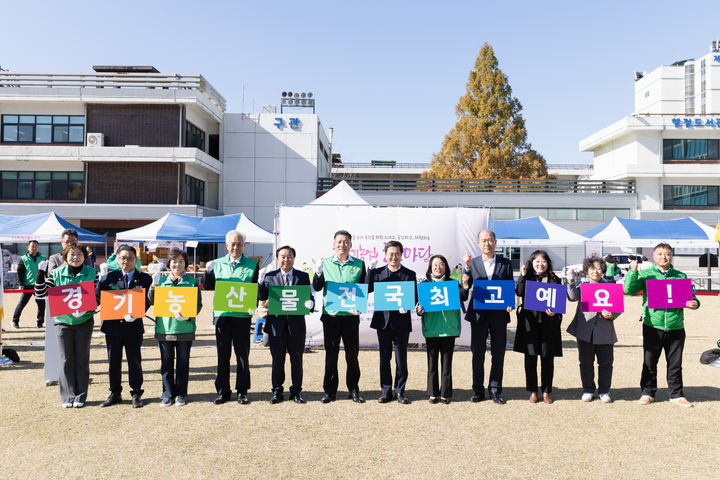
(437, 296)
(493, 294)
(696, 122)
(279, 122)
(294, 123)
(344, 297)
(392, 296)
(540, 296)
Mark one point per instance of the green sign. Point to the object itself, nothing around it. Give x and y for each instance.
(288, 300)
(235, 297)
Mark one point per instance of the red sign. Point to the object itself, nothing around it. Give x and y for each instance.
(73, 298)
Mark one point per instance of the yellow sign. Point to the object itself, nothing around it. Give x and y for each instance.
(172, 300)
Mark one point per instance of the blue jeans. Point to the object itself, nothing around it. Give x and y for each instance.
(174, 378)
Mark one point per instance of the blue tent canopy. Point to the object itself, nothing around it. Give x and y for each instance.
(534, 231)
(43, 227)
(682, 232)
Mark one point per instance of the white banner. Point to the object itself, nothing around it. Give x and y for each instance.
(424, 232)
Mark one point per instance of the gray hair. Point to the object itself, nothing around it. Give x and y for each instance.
(234, 233)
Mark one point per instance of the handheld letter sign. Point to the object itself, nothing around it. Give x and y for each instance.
(540, 296)
(669, 293)
(73, 298)
(172, 300)
(596, 297)
(235, 297)
(288, 300)
(392, 296)
(438, 296)
(493, 294)
(115, 304)
(343, 297)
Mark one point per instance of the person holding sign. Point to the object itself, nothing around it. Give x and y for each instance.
(595, 333)
(27, 272)
(488, 266)
(287, 332)
(340, 325)
(538, 332)
(232, 329)
(176, 333)
(126, 332)
(663, 328)
(74, 330)
(440, 329)
(393, 326)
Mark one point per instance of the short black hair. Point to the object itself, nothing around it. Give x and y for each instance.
(343, 232)
(592, 260)
(285, 247)
(33, 241)
(393, 243)
(70, 232)
(126, 248)
(428, 274)
(663, 245)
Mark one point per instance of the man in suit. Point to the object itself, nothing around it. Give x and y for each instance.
(68, 237)
(393, 328)
(488, 266)
(287, 332)
(126, 333)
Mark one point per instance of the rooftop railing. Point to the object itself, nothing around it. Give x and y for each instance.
(393, 164)
(180, 81)
(481, 185)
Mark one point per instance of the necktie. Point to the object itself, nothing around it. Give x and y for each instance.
(285, 279)
(127, 280)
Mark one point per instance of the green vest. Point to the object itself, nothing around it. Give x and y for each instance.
(333, 271)
(62, 276)
(243, 272)
(444, 323)
(31, 267)
(170, 325)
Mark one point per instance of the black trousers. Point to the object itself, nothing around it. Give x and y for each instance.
(280, 346)
(547, 370)
(335, 328)
(389, 340)
(444, 347)
(131, 343)
(479, 330)
(586, 355)
(232, 333)
(654, 341)
(24, 299)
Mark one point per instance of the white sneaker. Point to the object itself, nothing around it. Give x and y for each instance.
(646, 400)
(78, 404)
(67, 405)
(605, 398)
(587, 397)
(682, 401)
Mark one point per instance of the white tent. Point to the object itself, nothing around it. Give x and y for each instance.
(534, 231)
(680, 233)
(340, 194)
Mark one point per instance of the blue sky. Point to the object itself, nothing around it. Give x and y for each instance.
(386, 75)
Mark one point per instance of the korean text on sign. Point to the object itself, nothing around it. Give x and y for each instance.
(673, 293)
(235, 297)
(73, 298)
(596, 297)
(115, 304)
(493, 294)
(288, 300)
(437, 296)
(392, 296)
(540, 296)
(172, 301)
(346, 297)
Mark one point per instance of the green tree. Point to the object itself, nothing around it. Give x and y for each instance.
(489, 139)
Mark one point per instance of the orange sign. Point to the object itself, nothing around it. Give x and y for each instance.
(115, 304)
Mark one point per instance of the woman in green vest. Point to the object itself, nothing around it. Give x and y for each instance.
(175, 334)
(74, 331)
(440, 330)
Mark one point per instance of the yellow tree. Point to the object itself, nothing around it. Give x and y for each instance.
(489, 139)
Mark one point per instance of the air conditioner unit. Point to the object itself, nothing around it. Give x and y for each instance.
(95, 140)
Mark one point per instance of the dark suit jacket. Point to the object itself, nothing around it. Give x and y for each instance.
(114, 281)
(400, 322)
(275, 324)
(503, 271)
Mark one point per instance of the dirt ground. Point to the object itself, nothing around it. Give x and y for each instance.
(568, 439)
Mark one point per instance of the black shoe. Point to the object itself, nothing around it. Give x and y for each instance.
(243, 399)
(402, 399)
(137, 401)
(297, 398)
(15, 325)
(112, 400)
(433, 400)
(277, 398)
(446, 401)
(385, 398)
(478, 398)
(355, 395)
(40, 324)
(327, 398)
(220, 400)
(496, 397)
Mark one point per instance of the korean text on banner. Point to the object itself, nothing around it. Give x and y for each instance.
(596, 297)
(175, 300)
(673, 293)
(493, 294)
(288, 300)
(437, 296)
(72, 298)
(392, 296)
(115, 304)
(235, 297)
(540, 296)
(346, 297)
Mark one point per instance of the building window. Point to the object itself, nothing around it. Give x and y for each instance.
(43, 129)
(194, 137)
(505, 213)
(690, 196)
(50, 186)
(194, 191)
(687, 149)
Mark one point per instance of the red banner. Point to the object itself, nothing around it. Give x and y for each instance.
(73, 298)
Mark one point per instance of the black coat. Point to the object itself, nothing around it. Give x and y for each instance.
(114, 281)
(399, 322)
(275, 324)
(503, 271)
(537, 333)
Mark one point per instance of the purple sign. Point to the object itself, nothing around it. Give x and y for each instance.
(669, 293)
(596, 297)
(540, 296)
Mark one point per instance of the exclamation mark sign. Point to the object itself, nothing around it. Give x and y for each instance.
(669, 290)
